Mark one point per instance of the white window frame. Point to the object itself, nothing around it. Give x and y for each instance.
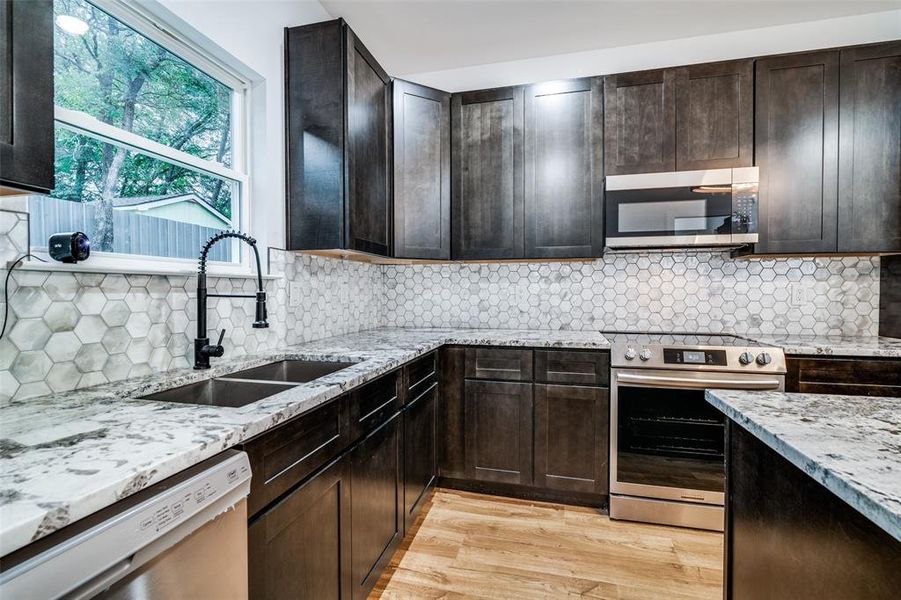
(140, 18)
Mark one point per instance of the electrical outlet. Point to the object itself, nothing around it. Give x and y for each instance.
(799, 294)
(293, 294)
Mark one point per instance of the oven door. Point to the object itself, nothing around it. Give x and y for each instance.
(666, 440)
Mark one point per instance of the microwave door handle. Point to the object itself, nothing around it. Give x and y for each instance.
(683, 382)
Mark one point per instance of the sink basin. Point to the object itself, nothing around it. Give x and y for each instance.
(291, 371)
(220, 392)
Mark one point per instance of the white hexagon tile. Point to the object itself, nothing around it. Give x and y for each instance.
(680, 291)
(69, 331)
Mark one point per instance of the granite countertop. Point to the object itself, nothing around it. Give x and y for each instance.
(849, 444)
(828, 345)
(65, 456)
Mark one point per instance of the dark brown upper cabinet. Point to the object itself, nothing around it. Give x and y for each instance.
(679, 119)
(338, 146)
(563, 169)
(715, 115)
(421, 172)
(796, 147)
(640, 122)
(869, 172)
(487, 171)
(26, 95)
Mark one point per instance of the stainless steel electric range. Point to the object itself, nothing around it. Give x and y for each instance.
(666, 442)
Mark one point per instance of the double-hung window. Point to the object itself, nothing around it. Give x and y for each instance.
(149, 141)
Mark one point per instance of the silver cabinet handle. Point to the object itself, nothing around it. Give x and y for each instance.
(737, 384)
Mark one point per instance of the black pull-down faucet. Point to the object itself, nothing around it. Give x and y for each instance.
(202, 348)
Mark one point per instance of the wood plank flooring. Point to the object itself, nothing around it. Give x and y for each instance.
(476, 546)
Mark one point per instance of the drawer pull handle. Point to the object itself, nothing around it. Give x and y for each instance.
(302, 458)
(377, 409)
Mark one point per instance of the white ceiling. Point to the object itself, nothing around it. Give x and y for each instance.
(418, 36)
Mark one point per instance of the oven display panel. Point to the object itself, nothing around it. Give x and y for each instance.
(682, 356)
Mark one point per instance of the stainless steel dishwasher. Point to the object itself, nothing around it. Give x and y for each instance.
(183, 538)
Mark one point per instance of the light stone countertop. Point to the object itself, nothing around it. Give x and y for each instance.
(827, 345)
(65, 456)
(849, 444)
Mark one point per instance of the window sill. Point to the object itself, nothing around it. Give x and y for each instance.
(176, 270)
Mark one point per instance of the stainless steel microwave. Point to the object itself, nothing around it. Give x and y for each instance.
(716, 207)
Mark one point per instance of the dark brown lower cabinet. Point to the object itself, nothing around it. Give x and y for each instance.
(788, 537)
(300, 547)
(420, 465)
(499, 431)
(571, 438)
(376, 508)
(843, 375)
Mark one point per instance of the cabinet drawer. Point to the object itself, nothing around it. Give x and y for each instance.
(499, 363)
(374, 403)
(421, 375)
(282, 457)
(572, 366)
(853, 376)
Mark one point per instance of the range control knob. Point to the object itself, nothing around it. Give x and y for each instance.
(764, 359)
(630, 353)
(746, 358)
(645, 354)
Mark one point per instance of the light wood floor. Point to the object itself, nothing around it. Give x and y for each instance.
(476, 546)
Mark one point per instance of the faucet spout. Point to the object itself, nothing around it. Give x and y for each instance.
(203, 350)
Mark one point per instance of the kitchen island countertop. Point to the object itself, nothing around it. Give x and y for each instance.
(849, 444)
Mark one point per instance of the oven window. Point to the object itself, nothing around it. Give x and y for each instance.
(670, 211)
(670, 438)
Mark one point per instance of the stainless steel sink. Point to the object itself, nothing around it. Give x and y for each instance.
(291, 371)
(220, 392)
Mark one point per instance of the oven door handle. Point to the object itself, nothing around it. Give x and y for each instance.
(684, 382)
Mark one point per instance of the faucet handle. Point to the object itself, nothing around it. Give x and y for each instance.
(221, 336)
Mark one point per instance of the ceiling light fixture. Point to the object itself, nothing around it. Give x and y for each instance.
(72, 25)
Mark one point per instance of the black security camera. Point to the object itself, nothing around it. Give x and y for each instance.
(69, 247)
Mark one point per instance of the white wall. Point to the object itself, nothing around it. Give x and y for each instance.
(861, 29)
(252, 31)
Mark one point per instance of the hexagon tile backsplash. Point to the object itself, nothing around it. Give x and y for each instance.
(680, 291)
(69, 331)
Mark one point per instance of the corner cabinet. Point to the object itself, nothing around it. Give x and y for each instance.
(421, 172)
(26, 96)
(338, 146)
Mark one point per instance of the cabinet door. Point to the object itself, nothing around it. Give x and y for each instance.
(869, 175)
(499, 432)
(715, 115)
(640, 122)
(26, 95)
(563, 169)
(421, 171)
(796, 147)
(300, 548)
(487, 171)
(420, 466)
(571, 438)
(376, 517)
(368, 151)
